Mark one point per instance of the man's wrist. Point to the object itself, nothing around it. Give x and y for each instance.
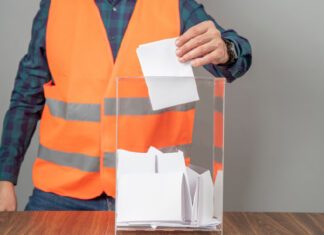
(4, 182)
(7, 177)
(232, 53)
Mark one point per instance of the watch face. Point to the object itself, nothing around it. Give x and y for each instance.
(233, 50)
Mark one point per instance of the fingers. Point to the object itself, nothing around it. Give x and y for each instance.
(202, 44)
(201, 61)
(198, 52)
(192, 44)
(214, 56)
(192, 33)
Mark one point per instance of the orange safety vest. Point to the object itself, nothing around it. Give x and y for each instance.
(76, 156)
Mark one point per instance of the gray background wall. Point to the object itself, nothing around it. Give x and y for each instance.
(274, 132)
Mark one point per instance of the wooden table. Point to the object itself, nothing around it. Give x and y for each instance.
(103, 223)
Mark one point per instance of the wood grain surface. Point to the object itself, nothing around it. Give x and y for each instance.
(80, 223)
(46, 222)
(274, 223)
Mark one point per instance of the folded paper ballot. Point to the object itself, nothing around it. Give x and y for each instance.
(169, 82)
(138, 201)
(157, 189)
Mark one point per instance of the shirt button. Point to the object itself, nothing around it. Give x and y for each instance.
(114, 9)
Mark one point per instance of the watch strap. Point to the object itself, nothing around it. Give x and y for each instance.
(232, 53)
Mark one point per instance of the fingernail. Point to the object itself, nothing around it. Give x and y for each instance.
(177, 42)
(181, 59)
(177, 51)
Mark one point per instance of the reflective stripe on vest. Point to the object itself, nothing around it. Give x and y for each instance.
(139, 106)
(91, 112)
(218, 155)
(218, 104)
(172, 149)
(87, 163)
(109, 159)
(75, 160)
(74, 111)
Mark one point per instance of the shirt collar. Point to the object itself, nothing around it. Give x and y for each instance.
(113, 2)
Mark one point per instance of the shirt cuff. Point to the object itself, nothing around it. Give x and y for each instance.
(9, 166)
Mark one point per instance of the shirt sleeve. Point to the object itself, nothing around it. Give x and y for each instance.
(193, 13)
(27, 100)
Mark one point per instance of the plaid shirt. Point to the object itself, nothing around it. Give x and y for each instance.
(27, 99)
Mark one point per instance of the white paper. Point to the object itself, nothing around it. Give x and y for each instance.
(205, 200)
(174, 162)
(194, 213)
(159, 59)
(169, 82)
(171, 162)
(132, 162)
(157, 189)
(193, 178)
(211, 225)
(154, 152)
(150, 197)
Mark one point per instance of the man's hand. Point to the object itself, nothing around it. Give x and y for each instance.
(8, 200)
(202, 44)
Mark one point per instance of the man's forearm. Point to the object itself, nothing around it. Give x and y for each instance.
(27, 100)
(17, 132)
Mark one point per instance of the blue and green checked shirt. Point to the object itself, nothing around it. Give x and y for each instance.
(27, 99)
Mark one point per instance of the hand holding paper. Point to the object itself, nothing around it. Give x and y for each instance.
(169, 82)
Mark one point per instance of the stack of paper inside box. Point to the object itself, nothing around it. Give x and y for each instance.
(156, 189)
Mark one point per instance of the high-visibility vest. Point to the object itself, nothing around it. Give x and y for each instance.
(76, 156)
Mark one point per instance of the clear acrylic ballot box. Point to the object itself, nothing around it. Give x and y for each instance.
(169, 153)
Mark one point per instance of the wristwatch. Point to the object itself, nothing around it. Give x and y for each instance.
(232, 53)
